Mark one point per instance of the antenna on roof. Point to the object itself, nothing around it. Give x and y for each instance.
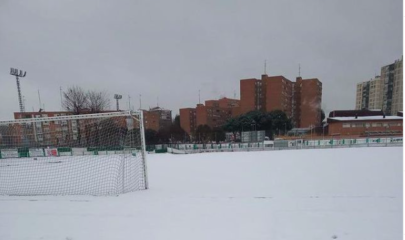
(265, 67)
(299, 70)
(199, 96)
(61, 101)
(39, 98)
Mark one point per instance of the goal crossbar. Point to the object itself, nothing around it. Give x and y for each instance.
(72, 117)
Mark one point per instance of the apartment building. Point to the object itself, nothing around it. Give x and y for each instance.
(369, 94)
(382, 92)
(308, 99)
(300, 100)
(188, 120)
(392, 80)
(157, 118)
(251, 95)
(214, 113)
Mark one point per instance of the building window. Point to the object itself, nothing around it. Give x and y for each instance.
(358, 125)
(346, 125)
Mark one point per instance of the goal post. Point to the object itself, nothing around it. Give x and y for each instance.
(89, 154)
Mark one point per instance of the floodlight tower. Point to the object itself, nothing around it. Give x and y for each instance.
(117, 97)
(19, 74)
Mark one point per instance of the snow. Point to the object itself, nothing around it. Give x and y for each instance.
(299, 194)
(71, 175)
(366, 118)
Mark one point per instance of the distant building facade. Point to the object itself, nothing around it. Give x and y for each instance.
(383, 92)
(214, 113)
(300, 100)
(391, 77)
(188, 120)
(56, 132)
(369, 94)
(367, 126)
(157, 118)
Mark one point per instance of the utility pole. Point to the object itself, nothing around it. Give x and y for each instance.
(117, 97)
(39, 99)
(61, 102)
(19, 74)
(299, 70)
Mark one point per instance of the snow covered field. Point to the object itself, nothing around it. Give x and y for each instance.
(298, 194)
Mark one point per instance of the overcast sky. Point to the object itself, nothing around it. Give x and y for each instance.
(171, 49)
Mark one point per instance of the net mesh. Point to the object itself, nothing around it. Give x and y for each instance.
(97, 154)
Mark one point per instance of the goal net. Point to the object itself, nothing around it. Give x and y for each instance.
(90, 154)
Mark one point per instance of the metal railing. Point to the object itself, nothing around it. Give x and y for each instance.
(291, 145)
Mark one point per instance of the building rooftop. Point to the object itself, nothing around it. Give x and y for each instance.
(368, 118)
(353, 113)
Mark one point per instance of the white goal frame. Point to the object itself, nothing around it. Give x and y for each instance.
(135, 115)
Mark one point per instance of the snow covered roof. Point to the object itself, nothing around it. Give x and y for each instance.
(366, 118)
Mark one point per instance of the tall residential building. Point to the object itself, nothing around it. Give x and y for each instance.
(369, 94)
(308, 102)
(251, 95)
(188, 120)
(278, 94)
(382, 92)
(392, 80)
(300, 100)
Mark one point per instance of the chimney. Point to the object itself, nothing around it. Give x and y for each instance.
(356, 116)
(383, 115)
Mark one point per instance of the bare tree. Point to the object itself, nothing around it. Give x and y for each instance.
(75, 100)
(97, 101)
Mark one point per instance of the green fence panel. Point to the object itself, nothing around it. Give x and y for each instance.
(23, 152)
(64, 149)
(164, 150)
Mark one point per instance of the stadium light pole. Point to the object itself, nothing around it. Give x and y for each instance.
(117, 97)
(18, 74)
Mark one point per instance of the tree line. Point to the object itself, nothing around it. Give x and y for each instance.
(276, 122)
(273, 123)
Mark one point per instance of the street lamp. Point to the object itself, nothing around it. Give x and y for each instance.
(117, 97)
(19, 74)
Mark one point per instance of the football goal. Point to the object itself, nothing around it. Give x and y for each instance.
(88, 154)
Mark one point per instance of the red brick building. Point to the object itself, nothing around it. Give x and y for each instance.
(278, 94)
(151, 120)
(308, 100)
(214, 113)
(365, 126)
(300, 100)
(251, 95)
(188, 119)
(157, 118)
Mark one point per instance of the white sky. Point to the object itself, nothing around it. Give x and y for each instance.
(171, 49)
